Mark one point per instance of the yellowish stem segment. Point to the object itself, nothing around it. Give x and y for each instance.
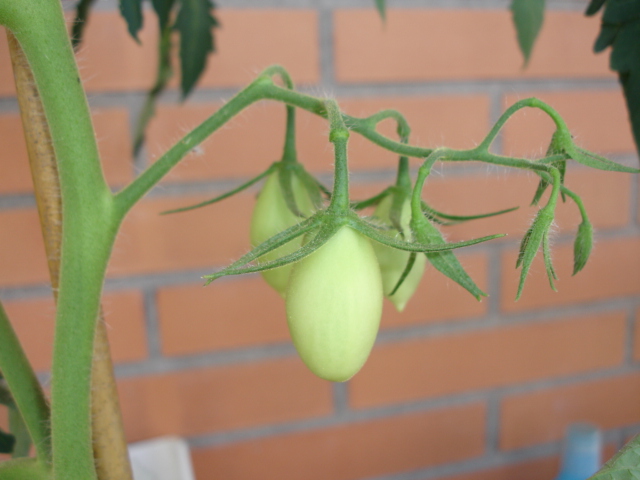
(109, 443)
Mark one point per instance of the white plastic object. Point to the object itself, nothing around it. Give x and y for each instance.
(161, 459)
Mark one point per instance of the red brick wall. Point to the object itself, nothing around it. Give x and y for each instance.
(455, 389)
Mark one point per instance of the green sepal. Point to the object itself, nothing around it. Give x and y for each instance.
(594, 160)
(286, 186)
(371, 231)
(531, 243)
(445, 262)
(7, 442)
(395, 212)
(542, 187)
(238, 268)
(528, 16)
(131, 11)
(582, 245)
(314, 188)
(83, 7)
(438, 217)
(405, 272)
(546, 254)
(228, 194)
(371, 201)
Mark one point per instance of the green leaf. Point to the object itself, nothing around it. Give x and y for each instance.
(528, 16)
(195, 22)
(79, 22)
(542, 187)
(582, 245)
(163, 10)
(382, 9)
(624, 465)
(621, 30)
(405, 273)
(438, 217)
(131, 10)
(7, 441)
(594, 6)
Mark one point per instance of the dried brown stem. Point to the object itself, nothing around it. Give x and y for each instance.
(109, 444)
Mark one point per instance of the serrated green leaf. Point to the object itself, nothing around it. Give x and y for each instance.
(195, 22)
(594, 6)
(7, 442)
(548, 263)
(528, 16)
(606, 37)
(621, 11)
(83, 7)
(626, 48)
(131, 11)
(582, 245)
(382, 8)
(624, 465)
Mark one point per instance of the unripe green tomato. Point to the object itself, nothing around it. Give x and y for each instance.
(271, 215)
(334, 305)
(393, 261)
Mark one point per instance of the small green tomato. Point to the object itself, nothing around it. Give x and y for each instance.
(393, 261)
(334, 305)
(271, 215)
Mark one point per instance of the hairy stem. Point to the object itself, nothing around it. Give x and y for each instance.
(109, 444)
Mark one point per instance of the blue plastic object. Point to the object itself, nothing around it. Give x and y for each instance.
(582, 453)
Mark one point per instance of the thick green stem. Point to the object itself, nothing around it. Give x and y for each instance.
(25, 388)
(89, 226)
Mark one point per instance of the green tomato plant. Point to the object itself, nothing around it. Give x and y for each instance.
(333, 264)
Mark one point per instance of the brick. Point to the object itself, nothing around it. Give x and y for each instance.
(33, 321)
(409, 46)
(538, 469)
(543, 416)
(598, 120)
(112, 132)
(248, 144)
(636, 337)
(422, 368)
(202, 238)
(352, 451)
(251, 40)
(439, 299)
(201, 401)
(612, 272)
(221, 316)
